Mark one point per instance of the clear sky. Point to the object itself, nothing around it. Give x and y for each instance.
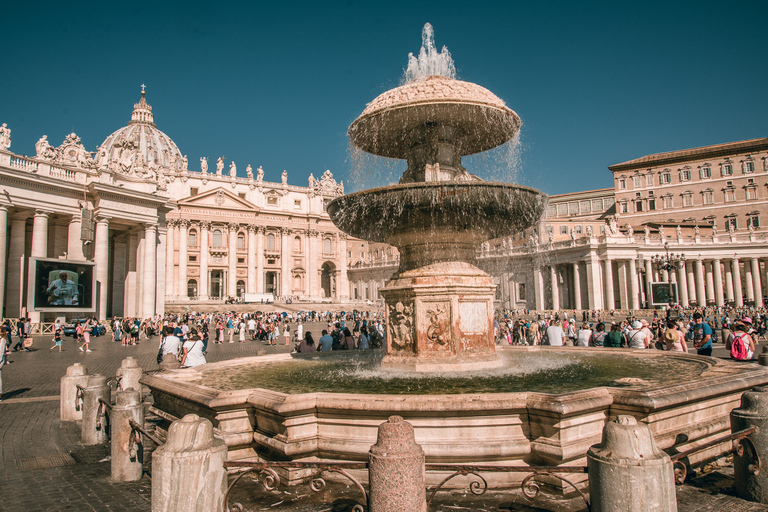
(276, 84)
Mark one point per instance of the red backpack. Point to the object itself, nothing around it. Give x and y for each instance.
(739, 347)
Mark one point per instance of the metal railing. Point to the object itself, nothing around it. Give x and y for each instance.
(739, 441)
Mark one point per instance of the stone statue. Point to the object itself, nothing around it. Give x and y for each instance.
(661, 233)
(219, 166)
(204, 164)
(260, 174)
(184, 163)
(573, 234)
(697, 232)
(249, 172)
(535, 239)
(630, 230)
(44, 149)
(613, 225)
(750, 226)
(551, 239)
(285, 177)
(679, 231)
(647, 232)
(714, 230)
(311, 180)
(5, 137)
(590, 231)
(232, 169)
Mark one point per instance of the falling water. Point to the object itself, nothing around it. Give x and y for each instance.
(430, 62)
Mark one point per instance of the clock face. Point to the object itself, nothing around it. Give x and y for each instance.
(72, 153)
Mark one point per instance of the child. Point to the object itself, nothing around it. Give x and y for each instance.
(56, 340)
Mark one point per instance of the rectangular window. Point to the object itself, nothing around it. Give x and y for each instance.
(749, 167)
(651, 204)
(297, 204)
(550, 230)
(241, 260)
(584, 206)
(241, 195)
(622, 184)
(562, 210)
(730, 196)
(753, 221)
(608, 202)
(573, 208)
(578, 230)
(272, 201)
(731, 223)
(705, 173)
(667, 202)
(649, 180)
(665, 178)
(685, 175)
(602, 229)
(193, 191)
(624, 208)
(563, 230)
(708, 197)
(751, 193)
(727, 170)
(193, 258)
(687, 200)
(636, 182)
(349, 255)
(597, 205)
(638, 206)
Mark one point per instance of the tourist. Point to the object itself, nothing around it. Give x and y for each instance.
(287, 333)
(364, 343)
(674, 339)
(740, 344)
(583, 336)
(555, 335)
(307, 344)
(193, 351)
(648, 333)
(701, 334)
(598, 337)
(171, 344)
(636, 338)
(349, 341)
(231, 329)
(534, 334)
(56, 339)
(252, 328)
(299, 331)
(220, 332)
(615, 338)
(3, 358)
(241, 331)
(325, 343)
(572, 331)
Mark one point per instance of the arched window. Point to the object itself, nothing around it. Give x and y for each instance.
(192, 288)
(297, 244)
(240, 288)
(216, 240)
(327, 246)
(270, 242)
(192, 238)
(240, 241)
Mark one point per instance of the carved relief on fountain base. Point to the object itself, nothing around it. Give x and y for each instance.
(440, 318)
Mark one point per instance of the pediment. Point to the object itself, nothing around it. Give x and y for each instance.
(218, 199)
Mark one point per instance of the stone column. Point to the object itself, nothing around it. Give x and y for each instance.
(285, 262)
(342, 283)
(718, 278)
(538, 282)
(748, 289)
(181, 290)
(594, 283)
(623, 284)
(648, 281)
(132, 243)
(682, 286)
(710, 280)
(690, 276)
(610, 301)
(202, 285)
(576, 285)
(171, 282)
(634, 288)
(757, 285)
(260, 259)
(3, 255)
(101, 257)
(74, 243)
(149, 274)
(17, 256)
(312, 264)
(729, 296)
(232, 260)
(738, 294)
(160, 272)
(701, 294)
(251, 283)
(40, 234)
(555, 288)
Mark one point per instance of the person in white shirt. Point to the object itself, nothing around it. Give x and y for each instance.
(193, 351)
(584, 335)
(636, 337)
(555, 335)
(171, 345)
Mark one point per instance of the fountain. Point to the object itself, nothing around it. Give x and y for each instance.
(439, 305)
(441, 371)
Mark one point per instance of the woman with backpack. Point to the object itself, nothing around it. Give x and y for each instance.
(740, 344)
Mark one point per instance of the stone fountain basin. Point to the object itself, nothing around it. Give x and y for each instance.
(469, 213)
(521, 428)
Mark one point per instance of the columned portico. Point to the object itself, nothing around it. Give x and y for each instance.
(101, 257)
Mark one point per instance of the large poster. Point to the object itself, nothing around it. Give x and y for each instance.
(663, 294)
(61, 285)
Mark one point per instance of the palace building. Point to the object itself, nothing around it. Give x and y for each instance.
(160, 233)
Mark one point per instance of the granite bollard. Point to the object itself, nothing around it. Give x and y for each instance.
(92, 430)
(762, 359)
(126, 467)
(753, 412)
(188, 470)
(396, 469)
(170, 362)
(628, 472)
(76, 375)
(129, 374)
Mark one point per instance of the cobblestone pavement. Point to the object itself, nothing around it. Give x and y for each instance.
(44, 467)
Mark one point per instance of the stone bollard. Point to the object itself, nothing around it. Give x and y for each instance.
(752, 413)
(724, 333)
(397, 475)
(93, 429)
(628, 472)
(762, 359)
(129, 373)
(76, 375)
(128, 406)
(188, 470)
(170, 362)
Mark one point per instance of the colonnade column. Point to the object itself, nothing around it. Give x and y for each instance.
(16, 259)
(576, 286)
(3, 255)
(594, 283)
(555, 288)
(757, 285)
(718, 278)
(648, 281)
(610, 301)
(40, 234)
(160, 268)
(181, 290)
(701, 295)
(623, 284)
(342, 285)
(312, 290)
(738, 294)
(538, 284)
(682, 286)
(202, 289)
(260, 259)
(129, 294)
(74, 243)
(149, 270)
(170, 276)
(251, 284)
(748, 288)
(634, 288)
(710, 280)
(101, 257)
(285, 262)
(232, 260)
(729, 284)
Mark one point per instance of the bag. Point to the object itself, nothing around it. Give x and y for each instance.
(27, 342)
(739, 348)
(160, 355)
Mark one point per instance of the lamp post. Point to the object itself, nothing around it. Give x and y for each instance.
(668, 262)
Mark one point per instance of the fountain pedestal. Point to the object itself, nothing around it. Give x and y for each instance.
(440, 318)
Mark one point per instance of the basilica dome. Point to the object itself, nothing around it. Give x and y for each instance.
(140, 145)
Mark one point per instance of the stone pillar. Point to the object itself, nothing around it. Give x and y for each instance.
(718, 279)
(76, 376)
(738, 295)
(232, 260)
(628, 472)
(762, 359)
(648, 281)
(188, 470)
(101, 257)
(202, 286)
(260, 260)
(74, 243)
(576, 286)
(171, 281)
(729, 284)
(691, 279)
(682, 286)
(752, 413)
(710, 282)
(40, 234)
(634, 288)
(757, 285)
(285, 262)
(93, 429)
(129, 373)
(748, 288)
(555, 288)
(3, 255)
(250, 285)
(397, 475)
(538, 283)
(312, 265)
(126, 466)
(623, 284)
(150, 267)
(160, 270)
(181, 290)
(610, 301)
(701, 294)
(17, 256)
(129, 303)
(342, 283)
(594, 283)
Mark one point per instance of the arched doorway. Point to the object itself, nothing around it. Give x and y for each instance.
(328, 279)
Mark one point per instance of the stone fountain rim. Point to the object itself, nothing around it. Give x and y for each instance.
(437, 184)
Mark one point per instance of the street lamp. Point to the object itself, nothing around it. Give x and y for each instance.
(668, 262)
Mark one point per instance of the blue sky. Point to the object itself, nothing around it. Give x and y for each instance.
(277, 84)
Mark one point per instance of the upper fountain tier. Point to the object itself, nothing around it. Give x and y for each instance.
(432, 121)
